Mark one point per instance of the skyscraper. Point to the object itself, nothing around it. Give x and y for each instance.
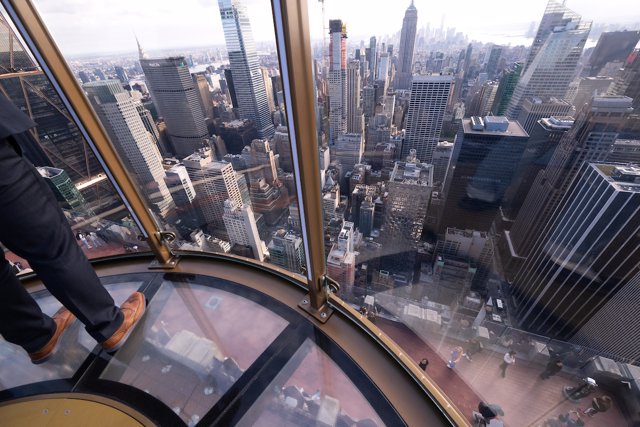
(242, 229)
(373, 59)
(549, 72)
(585, 255)
(612, 47)
(534, 109)
(66, 193)
(507, 85)
(493, 61)
(405, 52)
(177, 100)
(355, 120)
(120, 117)
(248, 80)
(286, 250)
(337, 80)
(427, 105)
(594, 132)
(485, 155)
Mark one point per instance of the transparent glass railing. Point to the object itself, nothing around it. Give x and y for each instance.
(480, 199)
(56, 147)
(197, 117)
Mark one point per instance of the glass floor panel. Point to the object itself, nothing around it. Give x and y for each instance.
(75, 346)
(209, 352)
(193, 344)
(311, 390)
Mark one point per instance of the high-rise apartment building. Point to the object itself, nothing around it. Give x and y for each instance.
(427, 105)
(355, 119)
(405, 52)
(120, 117)
(551, 70)
(485, 155)
(178, 101)
(584, 255)
(338, 108)
(248, 80)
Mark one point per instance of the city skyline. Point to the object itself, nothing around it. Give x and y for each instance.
(117, 25)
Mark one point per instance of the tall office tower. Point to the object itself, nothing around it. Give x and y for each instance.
(614, 328)
(119, 116)
(410, 185)
(482, 102)
(555, 15)
(231, 86)
(595, 130)
(467, 62)
(405, 52)
(121, 74)
(355, 120)
(214, 182)
(427, 105)
(245, 68)
(241, 227)
(60, 143)
(373, 59)
(627, 82)
(66, 193)
(507, 85)
(338, 108)
(286, 250)
(368, 101)
(585, 255)
(534, 109)
(348, 150)
(204, 94)
(366, 216)
(588, 87)
(237, 134)
(441, 159)
(178, 102)
(341, 262)
(544, 136)
(549, 73)
(282, 146)
(494, 61)
(486, 153)
(383, 73)
(84, 77)
(612, 48)
(269, 88)
(625, 151)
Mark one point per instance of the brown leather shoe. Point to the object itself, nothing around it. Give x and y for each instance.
(63, 319)
(132, 310)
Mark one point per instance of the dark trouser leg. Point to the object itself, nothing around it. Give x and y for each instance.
(33, 226)
(503, 368)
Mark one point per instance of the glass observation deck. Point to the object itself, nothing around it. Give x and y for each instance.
(330, 232)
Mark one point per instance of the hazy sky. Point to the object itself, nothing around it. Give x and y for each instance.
(89, 26)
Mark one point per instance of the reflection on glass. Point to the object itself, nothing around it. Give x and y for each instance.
(483, 196)
(56, 147)
(203, 130)
(311, 390)
(192, 345)
(75, 346)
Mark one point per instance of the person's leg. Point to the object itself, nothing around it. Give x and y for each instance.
(33, 226)
(21, 320)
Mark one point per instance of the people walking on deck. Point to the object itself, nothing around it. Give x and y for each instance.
(508, 360)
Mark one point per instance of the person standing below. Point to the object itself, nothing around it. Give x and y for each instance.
(423, 364)
(33, 226)
(552, 368)
(473, 346)
(508, 360)
(598, 404)
(456, 355)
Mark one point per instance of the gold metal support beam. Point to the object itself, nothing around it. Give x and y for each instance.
(294, 53)
(38, 38)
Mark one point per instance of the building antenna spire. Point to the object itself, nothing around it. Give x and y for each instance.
(141, 52)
